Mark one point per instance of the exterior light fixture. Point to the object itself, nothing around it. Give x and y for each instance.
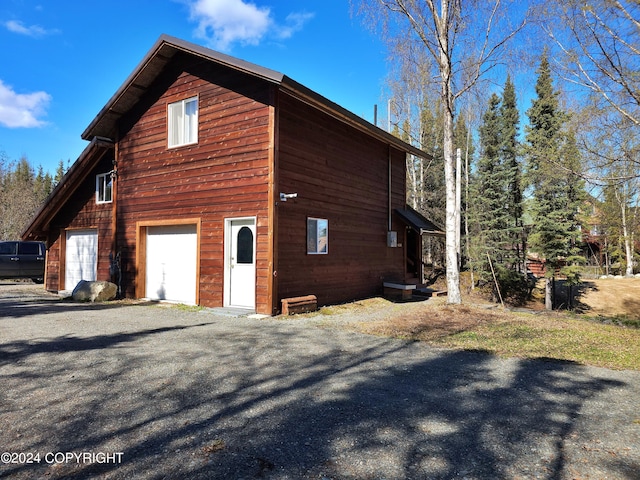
(285, 196)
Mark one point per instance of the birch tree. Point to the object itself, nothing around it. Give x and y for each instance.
(463, 40)
(599, 49)
(21, 194)
(621, 192)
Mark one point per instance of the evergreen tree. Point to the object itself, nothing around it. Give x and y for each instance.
(433, 186)
(42, 185)
(60, 172)
(462, 140)
(575, 205)
(509, 147)
(552, 160)
(489, 195)
(496, 214)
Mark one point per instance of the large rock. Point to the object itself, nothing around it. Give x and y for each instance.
(94, 291)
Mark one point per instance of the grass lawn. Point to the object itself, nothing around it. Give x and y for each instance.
(553, 335)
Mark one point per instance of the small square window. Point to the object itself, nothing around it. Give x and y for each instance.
(182, 122)
(104, 188)
(317, 236)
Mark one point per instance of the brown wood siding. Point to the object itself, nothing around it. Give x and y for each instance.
(224, 175)
(81, 211)
(339, 174)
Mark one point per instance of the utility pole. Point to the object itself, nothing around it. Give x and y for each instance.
(458, 203)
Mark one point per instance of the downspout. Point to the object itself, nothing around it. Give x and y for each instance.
(273, 213)
(389, 191)
(115, 265)
(114, 203)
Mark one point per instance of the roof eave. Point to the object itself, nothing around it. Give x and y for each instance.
(162, 51)
(166, 47)
(39, 225)
(318, 101)
(419, 222)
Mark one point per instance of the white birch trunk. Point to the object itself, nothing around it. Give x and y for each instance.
(411, 172)
(628, 251)
(451, 227)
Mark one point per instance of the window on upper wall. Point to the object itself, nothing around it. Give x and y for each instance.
(317, 235)
(104, 188)
(182, 122)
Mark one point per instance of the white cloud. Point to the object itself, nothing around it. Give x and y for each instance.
(294, 23)
(32, 31)
(22, 110)
(225, 22)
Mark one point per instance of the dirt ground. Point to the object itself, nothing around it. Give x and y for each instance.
(608, 297)
(611, 297)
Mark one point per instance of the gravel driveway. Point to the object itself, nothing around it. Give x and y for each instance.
(147, 391)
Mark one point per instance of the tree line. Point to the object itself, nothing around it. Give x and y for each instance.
(547, 188)
(23, 190)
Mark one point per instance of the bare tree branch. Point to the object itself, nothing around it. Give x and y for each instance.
(599, 43)
(438, 29)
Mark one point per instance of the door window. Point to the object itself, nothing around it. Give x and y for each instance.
(244, 253)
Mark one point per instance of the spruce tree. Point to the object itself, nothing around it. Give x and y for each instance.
(490, 186)
(576, 201)
(552, 161)
(433, 187)
(60, 172)
(509, 149)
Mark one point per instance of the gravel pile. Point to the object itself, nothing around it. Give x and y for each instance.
(119, 391)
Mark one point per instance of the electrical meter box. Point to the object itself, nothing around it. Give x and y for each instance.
(392, 239)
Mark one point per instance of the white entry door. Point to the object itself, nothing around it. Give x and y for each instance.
(240, 251)
(171, 263)
(81, 257)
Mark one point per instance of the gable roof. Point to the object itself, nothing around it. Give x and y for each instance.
(102, 129)
(161, 54)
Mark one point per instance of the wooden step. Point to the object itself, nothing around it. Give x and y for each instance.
(307, 303)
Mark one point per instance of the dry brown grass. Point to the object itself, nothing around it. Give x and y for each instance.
(612, 297)
(433, 322)
(481, 326)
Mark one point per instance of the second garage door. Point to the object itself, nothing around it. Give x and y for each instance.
(172, 263)
(81, 257)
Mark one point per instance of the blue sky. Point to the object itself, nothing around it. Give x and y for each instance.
(62, 60)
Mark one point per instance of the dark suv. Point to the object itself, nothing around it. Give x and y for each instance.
(22, 260)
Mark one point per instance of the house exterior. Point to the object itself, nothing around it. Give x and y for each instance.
(212, 181)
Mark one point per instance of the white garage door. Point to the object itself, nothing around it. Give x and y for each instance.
(171, 263)
(81, 257)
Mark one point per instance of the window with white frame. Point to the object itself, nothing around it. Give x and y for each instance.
(317, 236)
(182, 122)
(104, 188)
